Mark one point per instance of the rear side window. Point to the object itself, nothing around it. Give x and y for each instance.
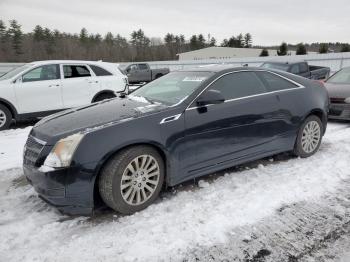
(237, 85)
(41, 73)
(72, 71)
(274, 82)
(99, 71)
(304, 68)
(295, 69)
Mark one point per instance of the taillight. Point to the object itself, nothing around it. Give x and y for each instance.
(320, 82)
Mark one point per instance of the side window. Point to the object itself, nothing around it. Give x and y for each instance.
(42, 73)
(143, 67)
(238, 85)
(295, 69)
(72, 71)
(274, 82)
(133, 68)
(99, 71)
(304, 68)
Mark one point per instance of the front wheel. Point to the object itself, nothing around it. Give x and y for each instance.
(132, 180)
(5, 117)
(309, 137)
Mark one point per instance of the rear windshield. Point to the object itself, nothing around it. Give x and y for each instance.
(341, 77)
(277, 66)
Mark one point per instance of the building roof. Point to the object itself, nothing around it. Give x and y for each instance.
(220, 48)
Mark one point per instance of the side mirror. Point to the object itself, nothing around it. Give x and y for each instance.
(18, 80)
(210, 97)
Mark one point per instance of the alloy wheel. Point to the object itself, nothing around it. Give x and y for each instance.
(2, 118)
(140, 179)
(311, 136)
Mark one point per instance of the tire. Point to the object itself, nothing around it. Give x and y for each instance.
(117, 173)
(102, 97)
(158, 75)
(309, 137)
(5, 117)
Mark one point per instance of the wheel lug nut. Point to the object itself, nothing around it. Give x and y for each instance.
(144, 179)
(140, 185)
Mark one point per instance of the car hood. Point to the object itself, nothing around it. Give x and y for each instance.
(93, 117)
(338, 90)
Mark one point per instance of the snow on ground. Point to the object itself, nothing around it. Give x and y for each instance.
(184, 220)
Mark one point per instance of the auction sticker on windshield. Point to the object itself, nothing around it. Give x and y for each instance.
(194, 78)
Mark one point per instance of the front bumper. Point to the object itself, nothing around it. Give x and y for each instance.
(339, 111)
(68, 189)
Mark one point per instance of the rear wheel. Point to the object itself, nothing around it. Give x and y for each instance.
(5, 117)
(104, 96)
(132, 179)
(309, 137)
(158, 75)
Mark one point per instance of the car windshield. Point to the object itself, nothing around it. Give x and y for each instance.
(341, 77)
(173, 87)
(277, 66)
(14, 72)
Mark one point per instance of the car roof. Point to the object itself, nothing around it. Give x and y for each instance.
(285, 62)
(220, 68)
(44, 62)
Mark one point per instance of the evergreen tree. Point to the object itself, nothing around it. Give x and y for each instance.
(2, 31)
(345, 48)
(83, 36)
(201, 41)
(323, 49)
(194, 43)
(38, 33)
(224, 43)
(109, 39)
(264, 52)
(301, 49)
(239, 41)
(283, 49)
(16, 35)
(49, 40)
(140, 43)
(248, 40)
(212, 42)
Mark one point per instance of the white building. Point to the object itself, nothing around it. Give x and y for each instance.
(224, 53)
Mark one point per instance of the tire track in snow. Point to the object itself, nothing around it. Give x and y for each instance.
(297, 232)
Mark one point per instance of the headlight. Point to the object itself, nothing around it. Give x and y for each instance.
(347, 100)
(62, 153)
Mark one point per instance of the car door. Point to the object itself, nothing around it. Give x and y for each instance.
(78, 85)
(241, 128)
(304, 70)
(104, 79)
(291, 103)
(132, 72)
(39, 90)
(144, 73)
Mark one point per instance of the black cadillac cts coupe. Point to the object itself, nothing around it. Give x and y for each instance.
(181, 126)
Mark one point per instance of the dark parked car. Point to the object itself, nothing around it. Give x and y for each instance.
(300, 68)
(181, 126)
(338, 86)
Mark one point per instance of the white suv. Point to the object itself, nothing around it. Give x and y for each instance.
(41, 88)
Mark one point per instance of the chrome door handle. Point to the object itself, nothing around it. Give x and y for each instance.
(53, 86)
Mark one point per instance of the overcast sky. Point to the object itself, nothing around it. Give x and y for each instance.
(269, 21)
